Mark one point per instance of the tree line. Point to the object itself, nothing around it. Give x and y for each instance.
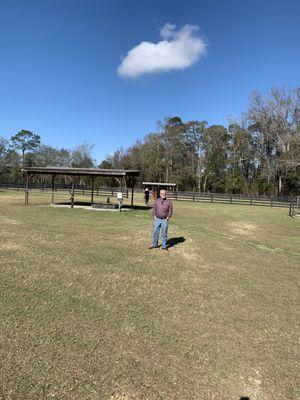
(257, 154)
(26, 149)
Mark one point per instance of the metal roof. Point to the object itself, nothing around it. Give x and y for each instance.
(80, 171)
(158, 184)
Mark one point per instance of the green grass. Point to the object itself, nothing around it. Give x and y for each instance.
(88, 312)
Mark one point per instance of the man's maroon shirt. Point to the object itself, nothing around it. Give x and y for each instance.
(162, 208)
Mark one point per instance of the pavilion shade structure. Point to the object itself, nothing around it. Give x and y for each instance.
(75, 172)
(80, 171)
(161, 184)
(157, 186)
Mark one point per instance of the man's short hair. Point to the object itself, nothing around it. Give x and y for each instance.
(163, 190)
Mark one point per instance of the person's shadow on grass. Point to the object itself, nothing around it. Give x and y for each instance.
(174, 241)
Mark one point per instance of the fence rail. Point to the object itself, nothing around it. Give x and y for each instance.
(241, 199)
(272, 201)
(79, 189)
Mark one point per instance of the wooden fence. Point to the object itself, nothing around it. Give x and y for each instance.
(271, 201)
(79, 189)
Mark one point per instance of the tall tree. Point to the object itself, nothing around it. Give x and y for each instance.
(216, 151)
(25, 141)
(240, 159)
(195, 131)
(2, 155)
(82, 156)
(176, 152)
(48, 156)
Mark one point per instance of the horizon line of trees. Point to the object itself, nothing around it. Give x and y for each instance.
(257, 154)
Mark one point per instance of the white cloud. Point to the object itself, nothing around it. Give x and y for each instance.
(179, 49)
(167, 31)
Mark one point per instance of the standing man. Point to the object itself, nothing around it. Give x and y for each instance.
(162, 212)
(146, 196)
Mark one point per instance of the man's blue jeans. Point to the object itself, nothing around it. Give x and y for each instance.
(163, 224)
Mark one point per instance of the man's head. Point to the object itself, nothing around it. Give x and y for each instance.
(163, 193)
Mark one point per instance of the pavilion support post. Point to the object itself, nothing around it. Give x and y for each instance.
(52, 189)
(132, 195)
(93, 184)
(72, 192)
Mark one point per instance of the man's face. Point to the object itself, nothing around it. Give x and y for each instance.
(163, 194)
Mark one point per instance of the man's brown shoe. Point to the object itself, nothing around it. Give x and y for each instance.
(153, 247)
(165, 248)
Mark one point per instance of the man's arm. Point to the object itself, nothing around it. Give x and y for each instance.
(170, 211)
(154, 210)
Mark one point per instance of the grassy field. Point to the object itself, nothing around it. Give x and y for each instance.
(88, 312)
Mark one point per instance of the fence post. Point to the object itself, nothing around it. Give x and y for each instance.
(230, 197)
(271, 201)
(52, 188)
(193, 196)
(251, 200)
(212, 198)
(72, 192)
(176, 195)
(27, 189)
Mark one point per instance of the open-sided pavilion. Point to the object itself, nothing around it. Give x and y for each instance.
(157, 186)
(74, 173)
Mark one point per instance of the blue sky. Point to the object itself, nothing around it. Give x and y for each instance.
(59, 60)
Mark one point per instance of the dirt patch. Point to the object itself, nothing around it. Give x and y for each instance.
(243, 228)
(8, 221)
(10, 246)
(186, 249)
(122, 395)
(189, 254)
(252, 386)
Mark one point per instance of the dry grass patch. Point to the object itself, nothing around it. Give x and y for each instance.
(8, 221)
(243, 228)
(122, 395)
(10, 246)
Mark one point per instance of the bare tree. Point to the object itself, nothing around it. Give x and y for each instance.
(272, 118)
